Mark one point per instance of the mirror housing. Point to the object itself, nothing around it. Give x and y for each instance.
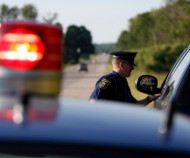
(147, 84)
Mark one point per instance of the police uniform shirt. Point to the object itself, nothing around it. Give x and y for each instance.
(112, 87)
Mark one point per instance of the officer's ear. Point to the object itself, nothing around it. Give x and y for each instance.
(121, 64)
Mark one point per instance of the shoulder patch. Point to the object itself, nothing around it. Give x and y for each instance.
(104, 84)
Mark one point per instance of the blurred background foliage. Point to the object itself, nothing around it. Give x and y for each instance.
(159, 58)
(159, 36)
(78, 44)
(77, 39)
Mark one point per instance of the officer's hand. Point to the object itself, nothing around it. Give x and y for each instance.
(91, 100)
(153, 97)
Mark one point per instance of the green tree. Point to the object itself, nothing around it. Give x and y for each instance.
(8, 13)
(85, 42)
(78, 41)
(13, 13)
(168, 25)
(124, 42)
(141, 30)
(4, 12)
(29, 12)
(71, 44)
(159, 35)
(171, 23)
(139, 35)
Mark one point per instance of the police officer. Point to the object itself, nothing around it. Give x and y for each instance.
(114, 86)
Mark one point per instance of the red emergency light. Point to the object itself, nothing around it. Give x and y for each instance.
(31, 56)
(33, 39)
(10, 115)
(21, 49)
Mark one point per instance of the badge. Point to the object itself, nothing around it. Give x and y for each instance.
(104, 84)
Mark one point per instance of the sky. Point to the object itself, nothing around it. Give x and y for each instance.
(105, 19)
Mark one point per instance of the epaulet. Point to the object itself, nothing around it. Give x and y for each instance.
(105, 81)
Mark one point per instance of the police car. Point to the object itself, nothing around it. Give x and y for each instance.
(36, 122)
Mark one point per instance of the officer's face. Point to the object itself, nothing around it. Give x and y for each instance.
(127, 68)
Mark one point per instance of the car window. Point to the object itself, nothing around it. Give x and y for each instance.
(174, 79)
(183, 94)
(175, 65)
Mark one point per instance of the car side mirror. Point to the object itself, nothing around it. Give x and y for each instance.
(147, 84)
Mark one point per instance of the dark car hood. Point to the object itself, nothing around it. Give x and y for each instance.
(101, 123)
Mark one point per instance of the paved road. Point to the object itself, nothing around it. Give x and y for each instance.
(80, 85)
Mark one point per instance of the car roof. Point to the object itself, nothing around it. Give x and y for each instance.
(102, 124)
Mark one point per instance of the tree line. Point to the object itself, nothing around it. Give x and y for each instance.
(27, 12)
(77, 41)
(159, 36)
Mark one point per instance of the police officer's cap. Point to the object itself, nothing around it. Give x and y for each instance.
(129, 56)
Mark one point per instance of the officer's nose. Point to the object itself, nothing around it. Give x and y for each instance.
(132, 66)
